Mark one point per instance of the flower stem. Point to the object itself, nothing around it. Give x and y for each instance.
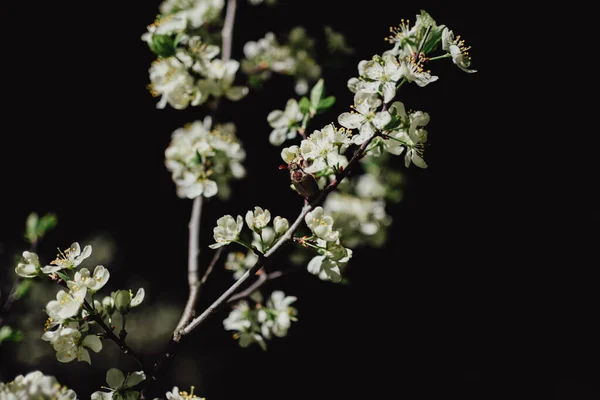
(447, 55)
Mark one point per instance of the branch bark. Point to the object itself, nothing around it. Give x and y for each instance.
(193, 253)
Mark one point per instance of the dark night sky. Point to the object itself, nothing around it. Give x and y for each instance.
(435, 313)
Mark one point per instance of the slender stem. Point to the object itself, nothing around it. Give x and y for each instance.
(447, 55)
(199, 287)
(193, 252)
(211, 266)
(247, 246)
(228, 29)
(302, 129)
(262, 279)
(111, 335)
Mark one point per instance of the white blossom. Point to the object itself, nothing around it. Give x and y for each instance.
(70, 345)
(94, 282)
(258, 219)
(203, 160)
(330, 265)
(321, 225)
(457, 49)
(176, 394)
(220, 76)
(240, 262)
(381, 76)
(238, 319)
(67, 304)
(69, 259)
(321, 149)
(35, 385)
(277, 315)
(365, 117)
(285, 123)
(31, 267)
(196, 12)
(171, 81)
(403, 38)
(360, 219)
(227, 230)
(413, 72)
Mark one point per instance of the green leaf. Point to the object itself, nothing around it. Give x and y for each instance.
(316, 93)
(304, 105)
(47, 222)
(31, 227)
(115, 378)
(23, 288)
(63, 276)
(162, 45)
(435, 33)
(8, 334)
(131, 395)
(325, 103)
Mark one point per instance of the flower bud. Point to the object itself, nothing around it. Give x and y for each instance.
(281, 225)
(123, 301)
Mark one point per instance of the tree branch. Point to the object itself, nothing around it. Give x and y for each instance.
(193, 253)
(358, 154)
(262, 279)
(228, 29)
(195, 294)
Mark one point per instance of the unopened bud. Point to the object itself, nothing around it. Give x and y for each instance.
(123, 301)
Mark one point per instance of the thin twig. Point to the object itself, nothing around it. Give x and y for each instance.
(193, 253)
(262, 279)
(228, 29)
(108, 332)
(196, 292)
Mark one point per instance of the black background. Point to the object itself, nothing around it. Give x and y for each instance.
(439, 312)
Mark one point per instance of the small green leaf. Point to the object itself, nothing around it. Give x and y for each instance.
(131, 395)
(8, 334)
(325, 103)
(115, 378)
(22, 288)
(46, 223)
(162, 45)
(63, 276)
(31, 227)
(316, 93)
(304, 105)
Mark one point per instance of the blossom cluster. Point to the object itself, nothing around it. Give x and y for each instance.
(202, 159)
(71, 314)
(187, 70)
(228, 229)
(35, 385)
(254, 324)
(295, 58)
